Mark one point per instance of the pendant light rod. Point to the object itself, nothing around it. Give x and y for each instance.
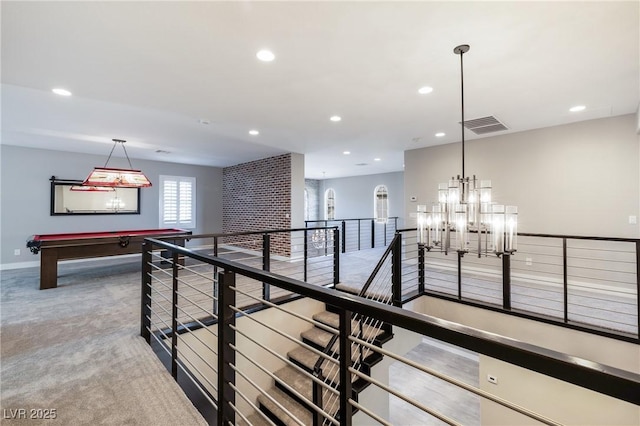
(461, 50)
(115, 143)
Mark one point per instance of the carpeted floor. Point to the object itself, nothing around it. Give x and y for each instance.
(74, 352)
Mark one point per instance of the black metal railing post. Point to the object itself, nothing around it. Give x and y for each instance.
(421, 259)
(226, 355)
(396, 272)
(565, 280)
(373, 233)
(326, 238)
(174, 317)
(460, 254)
(215, 277)
(266, 264)
(506, 282)
(385, 234)
(318, 419)
(306, 254)
(145, 300)
(346, 410)
(344, 236)
(358, 234)
(336, 256)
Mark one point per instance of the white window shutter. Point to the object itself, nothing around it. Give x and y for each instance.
(177, 201)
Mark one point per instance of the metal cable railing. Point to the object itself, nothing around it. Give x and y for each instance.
(378, 288)
(590, 283)
(256, 367)
(360, 233)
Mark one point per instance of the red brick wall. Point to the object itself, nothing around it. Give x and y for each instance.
(256, 197)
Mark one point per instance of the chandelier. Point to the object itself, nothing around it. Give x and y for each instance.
(465, 207)
(321, 238)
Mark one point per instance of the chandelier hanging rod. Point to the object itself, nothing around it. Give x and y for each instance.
(116, 142)
(461, 50)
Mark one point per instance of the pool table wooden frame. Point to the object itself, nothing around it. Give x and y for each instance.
(55, 247)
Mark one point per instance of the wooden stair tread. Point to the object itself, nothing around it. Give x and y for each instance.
(308, 359)
(304, 357)
(299, 411)
(254, 419)
(355, 289)
(332, 319)
(302, 382)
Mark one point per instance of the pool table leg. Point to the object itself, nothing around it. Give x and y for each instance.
(48, 269)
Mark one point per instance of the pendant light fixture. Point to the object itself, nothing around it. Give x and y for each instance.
(116, 177)
(464, 206)
(86, 188)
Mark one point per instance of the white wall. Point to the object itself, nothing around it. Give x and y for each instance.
(576, 179)
(564, 402)
(354, 195)
(297, 190)
(555, 399)
(25, 201)
(612, 352)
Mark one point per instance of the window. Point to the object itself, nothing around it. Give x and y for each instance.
(381, 204)
(177, 202)
(330, 204)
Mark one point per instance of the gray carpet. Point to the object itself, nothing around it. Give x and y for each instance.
(76, 350)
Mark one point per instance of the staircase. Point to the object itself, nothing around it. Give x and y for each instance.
(285, 401)
(297, 383)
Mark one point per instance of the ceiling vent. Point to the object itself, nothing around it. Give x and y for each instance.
(484, 125)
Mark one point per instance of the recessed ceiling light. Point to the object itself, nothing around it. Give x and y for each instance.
(440, 134)
(335, 118)
(60, 91)
(424, 90)
(254, 132)
(376, 159)
(346, 152)
(265, 55)
(577, 108)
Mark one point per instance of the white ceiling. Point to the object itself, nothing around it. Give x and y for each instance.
(148, 72)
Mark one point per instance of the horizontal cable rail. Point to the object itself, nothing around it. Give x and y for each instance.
(258, 366)
(361, 233)
(583, 282)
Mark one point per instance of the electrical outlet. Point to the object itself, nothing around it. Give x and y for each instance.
(633, 220)
(16, 252)
(492, 379)
(528, 261)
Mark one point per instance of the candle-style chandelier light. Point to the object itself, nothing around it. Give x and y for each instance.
(464, 207)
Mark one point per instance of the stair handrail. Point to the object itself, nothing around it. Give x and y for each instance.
(362, 293)
(317, 368)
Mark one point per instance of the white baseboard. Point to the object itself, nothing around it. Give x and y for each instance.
(19, 265)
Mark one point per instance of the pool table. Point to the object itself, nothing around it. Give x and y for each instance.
(55, 247)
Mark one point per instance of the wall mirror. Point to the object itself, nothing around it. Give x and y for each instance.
(69, 197)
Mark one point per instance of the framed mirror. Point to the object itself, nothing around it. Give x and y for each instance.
(69, 197)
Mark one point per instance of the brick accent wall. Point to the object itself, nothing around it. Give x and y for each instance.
(256, 197)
